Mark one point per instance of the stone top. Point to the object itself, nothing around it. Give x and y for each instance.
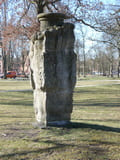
(51, 19)
(51, 16)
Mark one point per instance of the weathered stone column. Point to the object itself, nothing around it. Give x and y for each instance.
(53, 69)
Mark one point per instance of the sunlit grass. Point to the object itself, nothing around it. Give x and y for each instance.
(94, 133)
(14, 84)
(97, 81)
(100, 105)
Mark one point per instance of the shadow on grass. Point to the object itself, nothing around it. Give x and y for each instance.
(17, 103)
(16, 98)
(61, 146)
(113, 102)
(77, 125)
(102, 89)
(98, 120)
(58, 147)
(38, 151)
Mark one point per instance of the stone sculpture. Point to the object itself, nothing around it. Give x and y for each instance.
(53, 69)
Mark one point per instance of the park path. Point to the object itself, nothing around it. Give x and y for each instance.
(77, 86)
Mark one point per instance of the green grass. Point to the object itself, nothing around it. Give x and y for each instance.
(93, 135)
(14, 84)
(95, 77)
(97, 80)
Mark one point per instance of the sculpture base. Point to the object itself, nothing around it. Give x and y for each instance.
(39, 125)
(58, 123)
(51, 124)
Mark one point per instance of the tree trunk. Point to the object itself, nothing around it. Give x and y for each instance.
(84, 60)
(84, 66)
(111, 70)
(111, 63)
(4, 48)
(78, 66)
(4, 64)
(119, 63)
(23, 63)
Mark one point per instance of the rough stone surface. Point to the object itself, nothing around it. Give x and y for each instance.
(53, 72)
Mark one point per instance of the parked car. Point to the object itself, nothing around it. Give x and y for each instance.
(10, 74)
(20, 75)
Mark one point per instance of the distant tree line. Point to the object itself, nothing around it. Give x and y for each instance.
(18, 21)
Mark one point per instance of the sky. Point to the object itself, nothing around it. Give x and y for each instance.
(113, 2)
(91, 33)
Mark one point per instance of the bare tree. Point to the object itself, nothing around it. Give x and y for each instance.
(22, 21)
(109, 24)
(83, 37)
(77, 51)
(4, 41)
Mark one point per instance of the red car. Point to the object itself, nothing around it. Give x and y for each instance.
(10, 74)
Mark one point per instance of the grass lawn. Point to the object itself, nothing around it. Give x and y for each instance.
(11, 84)
(93, 135)
(97, 80)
